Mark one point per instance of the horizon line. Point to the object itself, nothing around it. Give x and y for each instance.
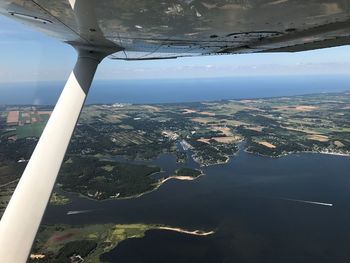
(184, 78)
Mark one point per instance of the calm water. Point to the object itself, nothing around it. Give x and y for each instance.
(243, 201)
(187, 90)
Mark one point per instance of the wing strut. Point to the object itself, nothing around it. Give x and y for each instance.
(21, 220)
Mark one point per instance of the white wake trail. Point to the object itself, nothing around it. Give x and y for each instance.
(78, 212)
(307, 202)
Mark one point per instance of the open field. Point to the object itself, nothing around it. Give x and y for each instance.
(211, 131)
(27, 122)
(203, 120)
(30, 130)
(317, 137)
(225, 108)
(301, 108)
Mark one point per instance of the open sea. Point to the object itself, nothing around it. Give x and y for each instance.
(184, 90)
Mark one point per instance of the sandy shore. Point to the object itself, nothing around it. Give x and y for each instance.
(180, 230)
(184, 178)
(159, 184)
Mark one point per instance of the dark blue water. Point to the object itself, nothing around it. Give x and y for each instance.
(244, 202)
(187, 90)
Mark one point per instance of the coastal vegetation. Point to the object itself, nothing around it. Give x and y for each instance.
(64, 243)
(101, 180)
(86, 243)
(184, 171)
(59, 199)
(209, 132)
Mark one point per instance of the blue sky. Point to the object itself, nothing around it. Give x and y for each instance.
(27, 55)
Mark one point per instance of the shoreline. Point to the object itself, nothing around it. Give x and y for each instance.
(157, 186)
(299, 152)
(211, 164)
(180, 177)
(188, 232)
(113, 234)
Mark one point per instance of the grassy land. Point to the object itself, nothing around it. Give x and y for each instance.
(30, 130)
(54, 241)
(5, 196)
(58, 199)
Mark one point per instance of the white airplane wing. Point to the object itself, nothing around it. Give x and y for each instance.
(147, 29)
(140, 30)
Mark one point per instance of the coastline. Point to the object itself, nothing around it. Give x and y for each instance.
(299, 152)
(113, 234)
(184, 231)
(180, 177)
(211, 164)
(157, 186)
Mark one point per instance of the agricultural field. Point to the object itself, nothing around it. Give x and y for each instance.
(209, 132)
(23, 122)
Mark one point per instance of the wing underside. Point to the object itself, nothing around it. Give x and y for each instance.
(148, 29)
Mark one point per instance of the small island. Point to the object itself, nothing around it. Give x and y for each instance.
(193, 173)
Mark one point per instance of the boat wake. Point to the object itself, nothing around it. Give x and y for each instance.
(78, 212)
(306, 201)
